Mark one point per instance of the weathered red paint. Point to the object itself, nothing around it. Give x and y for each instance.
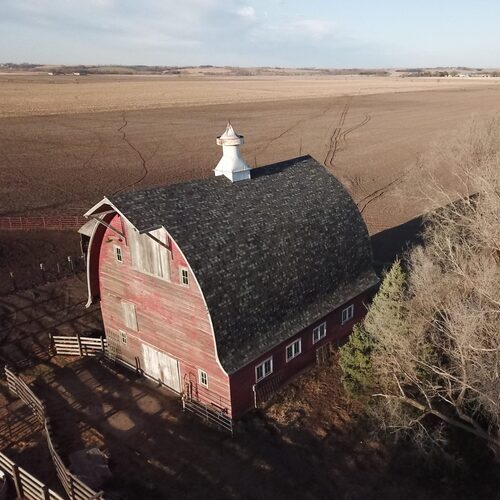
(174, 319)
(171, 317)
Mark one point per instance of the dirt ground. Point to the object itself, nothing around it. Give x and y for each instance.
(65, 163)
(310, 443)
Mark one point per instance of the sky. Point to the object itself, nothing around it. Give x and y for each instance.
(287, 33)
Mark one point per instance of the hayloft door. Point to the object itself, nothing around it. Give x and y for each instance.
(162, 367)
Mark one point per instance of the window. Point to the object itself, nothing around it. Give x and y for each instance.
(123, 337)
(347, 313)
(184, 276)
(264, 369)
(203, 378)
(319, 332)
(149, 253)
(293, 350)
(118, 254)
(129, 315)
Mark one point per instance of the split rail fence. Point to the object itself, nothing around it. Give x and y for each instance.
(54, 222)
(75, 488)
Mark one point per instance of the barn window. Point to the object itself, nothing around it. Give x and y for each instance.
(264, 369)
(123, 337)
(184, 276)
(293, 350)
(347, 313)
(319, 332)
(129, 315)
(148, 255)
(118, 254)
(203, 378)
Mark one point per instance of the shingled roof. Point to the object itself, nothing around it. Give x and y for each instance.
(272, 254)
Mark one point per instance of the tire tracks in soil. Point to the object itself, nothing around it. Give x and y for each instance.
(295, 125)
(145, 173)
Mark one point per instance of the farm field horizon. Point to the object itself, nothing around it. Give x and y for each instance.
(62, 149)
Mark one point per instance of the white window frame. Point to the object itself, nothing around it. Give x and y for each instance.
(181, 276)
(118, 252)
(295, 352)
(347, 313)
(320, 327)
(123, 337)
(200, 378)
(262, 365)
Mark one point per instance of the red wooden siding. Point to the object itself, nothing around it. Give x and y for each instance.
(243, 381)
(171, 317)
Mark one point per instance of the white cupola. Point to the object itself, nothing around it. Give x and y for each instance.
(232, 164)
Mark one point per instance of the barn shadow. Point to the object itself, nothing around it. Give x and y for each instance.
(396, 241)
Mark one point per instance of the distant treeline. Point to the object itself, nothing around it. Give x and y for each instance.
(179, 70)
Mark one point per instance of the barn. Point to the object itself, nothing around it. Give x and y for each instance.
(224, 288)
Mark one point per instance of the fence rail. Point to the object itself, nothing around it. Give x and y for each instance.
(77, 346)
(54, 222)
(27, 486)
(75, 488)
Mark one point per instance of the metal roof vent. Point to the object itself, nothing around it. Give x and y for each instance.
(232, 164)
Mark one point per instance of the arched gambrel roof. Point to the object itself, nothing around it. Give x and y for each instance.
(271, 254)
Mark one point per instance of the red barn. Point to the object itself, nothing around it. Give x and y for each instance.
(223, 288)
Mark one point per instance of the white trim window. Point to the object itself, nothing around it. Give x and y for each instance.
(264, 369)
(203, 378)
(319, 332)
(184, 275)
(123, 337)
(293, 350)
(118, 254)
(347, 313)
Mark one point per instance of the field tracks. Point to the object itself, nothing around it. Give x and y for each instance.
(145, 172)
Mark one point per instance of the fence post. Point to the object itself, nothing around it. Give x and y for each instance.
(17, 481)
(79, 344)
(45, 492)
(52, 345)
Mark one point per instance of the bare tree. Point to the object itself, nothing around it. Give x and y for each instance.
(437, 355)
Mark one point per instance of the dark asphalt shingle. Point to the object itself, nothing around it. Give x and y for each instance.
(272, 254)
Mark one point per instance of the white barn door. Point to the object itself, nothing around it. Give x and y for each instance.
(161, 367)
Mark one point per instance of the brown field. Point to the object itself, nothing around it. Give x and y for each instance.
(65, 142)
(63, 145)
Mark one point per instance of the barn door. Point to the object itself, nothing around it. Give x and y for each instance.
(169, 371)
(162, 367)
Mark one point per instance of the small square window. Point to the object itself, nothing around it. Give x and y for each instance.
(347, 313)
(319, 332)
(118, 254)
(293, 350)
(123, 337)
(184, 276)
(203, 378)
(264, 369)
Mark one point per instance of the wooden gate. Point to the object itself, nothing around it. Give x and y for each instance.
(161, 367)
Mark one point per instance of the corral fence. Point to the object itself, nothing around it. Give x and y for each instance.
(192, 400)
(53, 222)
(27, 486)
(77, 346)
(75, 488)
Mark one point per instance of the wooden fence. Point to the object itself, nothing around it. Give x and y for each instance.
(54, 222)
(27, 486)
(75, 488)
(77, 346)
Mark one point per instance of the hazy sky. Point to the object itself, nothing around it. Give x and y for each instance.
(326, 33)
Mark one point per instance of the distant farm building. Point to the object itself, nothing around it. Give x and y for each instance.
(224, 288)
